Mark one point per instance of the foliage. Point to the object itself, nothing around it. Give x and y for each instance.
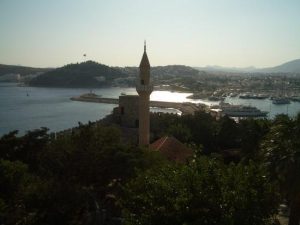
(78, 75)
(282, 153)
(204, 192)
(25, 148)
(14, 182)
(198, 129)
(252, 132)
(76, 177)
(228, 134)
(72, 175)
(213, 135)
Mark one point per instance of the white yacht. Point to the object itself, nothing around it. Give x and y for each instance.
(241, 111)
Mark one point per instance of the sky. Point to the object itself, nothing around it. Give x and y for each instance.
(232, 33)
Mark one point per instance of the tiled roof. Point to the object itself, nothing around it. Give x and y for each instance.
(172, 149)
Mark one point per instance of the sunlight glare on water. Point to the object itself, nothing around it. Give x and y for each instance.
(168, 96)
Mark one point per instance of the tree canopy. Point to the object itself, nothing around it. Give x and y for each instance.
(88, 175)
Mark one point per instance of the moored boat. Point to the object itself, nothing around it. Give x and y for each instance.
(241, 111)
(280, 101)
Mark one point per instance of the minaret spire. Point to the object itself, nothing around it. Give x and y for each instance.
(144, 88)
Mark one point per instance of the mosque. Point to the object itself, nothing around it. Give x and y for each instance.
(134, 112)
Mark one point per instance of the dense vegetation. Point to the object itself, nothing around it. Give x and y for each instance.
(89, 176)
(87, 74)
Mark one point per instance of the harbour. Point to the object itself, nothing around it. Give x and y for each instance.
(25, 108)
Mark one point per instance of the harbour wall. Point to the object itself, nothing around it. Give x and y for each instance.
(184, 107)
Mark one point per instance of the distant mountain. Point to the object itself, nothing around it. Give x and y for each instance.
(289, 67)
(86, 74)
(22, 70)
(226, 69)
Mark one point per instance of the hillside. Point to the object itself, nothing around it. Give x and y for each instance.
(87, 74)
(288, 67)
(22, 70)
(164, 71)
(92, 74)
(166, 75)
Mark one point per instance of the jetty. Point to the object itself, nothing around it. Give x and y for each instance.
(184, 107)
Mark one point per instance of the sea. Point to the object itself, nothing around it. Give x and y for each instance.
(25, 108)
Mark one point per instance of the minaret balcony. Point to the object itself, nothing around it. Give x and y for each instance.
(144, 88)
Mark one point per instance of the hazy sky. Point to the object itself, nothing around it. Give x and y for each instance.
(50, 33)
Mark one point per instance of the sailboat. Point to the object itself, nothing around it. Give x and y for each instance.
(281, 99)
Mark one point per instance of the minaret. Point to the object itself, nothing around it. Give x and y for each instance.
(144, 89)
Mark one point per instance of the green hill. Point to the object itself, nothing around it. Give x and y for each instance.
(86, 74)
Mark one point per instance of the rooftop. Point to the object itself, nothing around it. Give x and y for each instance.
(172, 149)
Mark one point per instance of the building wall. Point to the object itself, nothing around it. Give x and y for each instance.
(128, 110)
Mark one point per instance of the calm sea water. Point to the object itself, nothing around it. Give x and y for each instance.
(26, 108)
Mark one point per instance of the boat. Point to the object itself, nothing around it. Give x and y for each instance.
(241, 111)
(281, 101)
(295, 98)
(253, 96)
(232, 95)
(281, 98)
(215, 98)
(245, 96)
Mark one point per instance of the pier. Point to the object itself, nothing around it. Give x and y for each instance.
(184, 107)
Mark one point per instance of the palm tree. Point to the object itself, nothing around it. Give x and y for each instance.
(282, 153)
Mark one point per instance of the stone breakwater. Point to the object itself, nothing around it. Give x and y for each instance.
(184, 107)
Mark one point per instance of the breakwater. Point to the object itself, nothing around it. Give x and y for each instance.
(184, 107)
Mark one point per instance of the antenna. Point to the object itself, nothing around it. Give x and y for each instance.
(144, 45)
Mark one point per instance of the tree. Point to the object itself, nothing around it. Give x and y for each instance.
(82, 169)
(74, 178)
(14, 182)
(228, 135)
(24, 148)
(203, 192)
(180, 131)
(281, 149)
(203, 130)
(252, 132)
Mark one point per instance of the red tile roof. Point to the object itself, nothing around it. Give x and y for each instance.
(172, 149)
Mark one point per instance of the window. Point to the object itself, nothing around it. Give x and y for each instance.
(122, 110)
(142, 82)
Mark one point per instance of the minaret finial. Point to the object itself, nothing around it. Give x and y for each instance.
(144, 45)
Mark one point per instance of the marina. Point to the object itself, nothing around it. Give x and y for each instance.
(25, 108)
